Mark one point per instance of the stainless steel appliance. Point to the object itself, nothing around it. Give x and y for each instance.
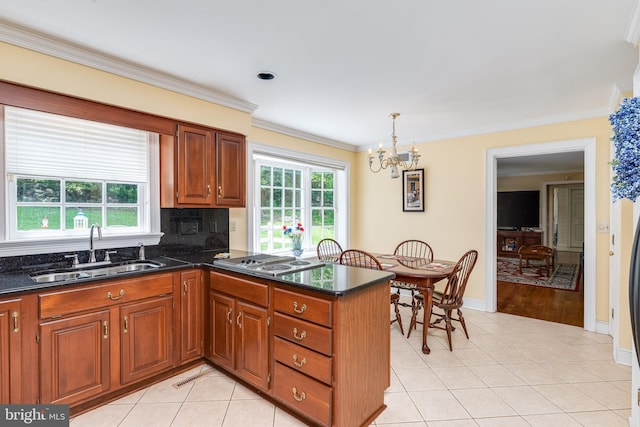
(267, 265)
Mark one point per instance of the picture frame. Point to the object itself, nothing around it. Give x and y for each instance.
(413, 190)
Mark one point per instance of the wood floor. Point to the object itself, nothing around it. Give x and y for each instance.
(554, 305)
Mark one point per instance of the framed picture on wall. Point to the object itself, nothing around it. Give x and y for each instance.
(413, 190)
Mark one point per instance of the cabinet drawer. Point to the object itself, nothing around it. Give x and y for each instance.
(302, 359)
(303, 394)
(302, 306)
(256, 293)
(303, 333)
(108, 293)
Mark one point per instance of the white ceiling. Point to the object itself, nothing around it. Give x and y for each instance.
(452, 68)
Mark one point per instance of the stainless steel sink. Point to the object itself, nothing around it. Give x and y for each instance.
(50, 276)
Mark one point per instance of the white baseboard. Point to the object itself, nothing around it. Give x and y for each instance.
(602, 327)
(622, 356)
(475, 304)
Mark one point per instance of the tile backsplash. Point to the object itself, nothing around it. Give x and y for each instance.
(185, 231)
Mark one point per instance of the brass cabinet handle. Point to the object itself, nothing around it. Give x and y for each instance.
(126, 324)
(105, 329)
(229, 317)
(219, 191)
(112, 298)
(238, 320)
(208, 190)
(297, 397)
(301, 363)
(299, 337)
(302, 309)
(184, 284)
(15, 322)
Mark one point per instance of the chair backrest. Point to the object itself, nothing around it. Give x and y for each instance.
(414, 249)
(457, 280)
(329, 250)
(358, 258)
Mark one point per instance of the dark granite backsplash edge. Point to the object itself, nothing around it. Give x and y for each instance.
(186, 231)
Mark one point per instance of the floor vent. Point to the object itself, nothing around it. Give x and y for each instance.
(186, 381)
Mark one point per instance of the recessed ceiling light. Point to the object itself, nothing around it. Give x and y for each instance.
(266, 75)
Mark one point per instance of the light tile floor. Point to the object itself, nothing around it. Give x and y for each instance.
(513, 372)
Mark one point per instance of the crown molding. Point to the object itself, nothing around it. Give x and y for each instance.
(38, 42)
(633, 27)
(264, 124)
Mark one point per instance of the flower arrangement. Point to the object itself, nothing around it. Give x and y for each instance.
(626, 140)
(295, 233)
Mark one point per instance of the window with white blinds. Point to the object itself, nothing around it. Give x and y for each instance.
(43, 144)
(64, 174)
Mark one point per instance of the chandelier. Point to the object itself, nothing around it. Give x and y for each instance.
(393, 161)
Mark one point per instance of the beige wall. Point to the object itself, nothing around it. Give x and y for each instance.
(534, 182)
(454, 220)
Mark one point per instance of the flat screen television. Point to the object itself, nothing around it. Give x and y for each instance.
(518, 209)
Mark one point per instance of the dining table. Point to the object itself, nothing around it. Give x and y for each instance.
(424, 274)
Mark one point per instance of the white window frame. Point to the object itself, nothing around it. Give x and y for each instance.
(150, 235)
(291, 157)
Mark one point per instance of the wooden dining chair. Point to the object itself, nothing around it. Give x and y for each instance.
(362, 259)
(415, 253)
(450, 299)
(329, 250)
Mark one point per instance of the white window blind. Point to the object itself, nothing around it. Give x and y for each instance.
(50, 145)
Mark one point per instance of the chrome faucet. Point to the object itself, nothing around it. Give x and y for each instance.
(141, 256)
(92, 252)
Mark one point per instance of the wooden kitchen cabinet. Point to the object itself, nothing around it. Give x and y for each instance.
(230, 169)
(331, 356)
(195, 167)
(191, 291)
(202, 167)
(97, 338)
(11, 351)
(74, 358)
(238, 327)
(146, 338)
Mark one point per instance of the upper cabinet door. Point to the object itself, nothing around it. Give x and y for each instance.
(230, 170)
(195, 166)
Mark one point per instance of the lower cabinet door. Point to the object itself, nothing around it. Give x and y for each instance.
(74, 358)
(146, 337)
(303, 394)
(10, 352)
(252, 357)
(221, 329)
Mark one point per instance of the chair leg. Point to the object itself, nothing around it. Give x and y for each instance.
(447, 321)
(416, 305)
(464, 325)
(398, 317)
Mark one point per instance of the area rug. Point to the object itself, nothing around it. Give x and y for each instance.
(564, 277)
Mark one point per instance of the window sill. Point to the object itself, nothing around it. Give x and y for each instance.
(74, 244)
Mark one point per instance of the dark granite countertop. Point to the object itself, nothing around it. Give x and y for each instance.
(331, 279)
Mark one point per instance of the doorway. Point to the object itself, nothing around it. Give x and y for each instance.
(587, 147)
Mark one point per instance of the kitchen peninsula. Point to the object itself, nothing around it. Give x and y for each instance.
(311, 341)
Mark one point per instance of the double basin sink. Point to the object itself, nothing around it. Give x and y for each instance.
(63, 275)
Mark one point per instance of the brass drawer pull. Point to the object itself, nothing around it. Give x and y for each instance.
(299, 398)
(126, 324)
(301, 363)
(238, 320)
(229, 317)
(220, 191)
(301, 336)
(105, 329)
(302, 309)
(15, 322)
(208, 190)
(112, 298)
(185, 287)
